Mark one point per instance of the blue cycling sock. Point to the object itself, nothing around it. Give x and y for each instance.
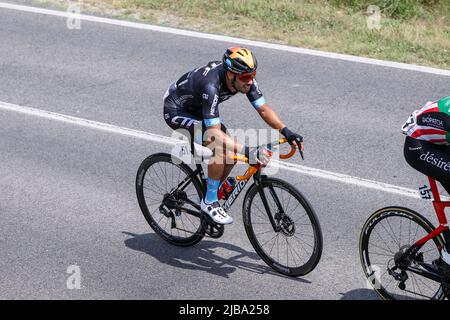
(211, 192)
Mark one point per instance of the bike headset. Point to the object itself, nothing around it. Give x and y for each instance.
(241, 62)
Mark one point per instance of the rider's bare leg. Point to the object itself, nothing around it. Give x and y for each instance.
(221, 164)
(216, 170)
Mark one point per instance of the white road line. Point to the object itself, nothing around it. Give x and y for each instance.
(251, 43)
(86, 123)
(318, 173)
(338, 177)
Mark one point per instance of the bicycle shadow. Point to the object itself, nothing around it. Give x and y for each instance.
(360, 294)
(201, 256)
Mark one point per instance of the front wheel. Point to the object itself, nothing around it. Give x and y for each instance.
(295, 247)
(384, 237)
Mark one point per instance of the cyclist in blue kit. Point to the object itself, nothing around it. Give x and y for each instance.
(193, 100)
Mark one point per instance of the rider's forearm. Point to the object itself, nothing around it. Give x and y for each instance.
(271, 117)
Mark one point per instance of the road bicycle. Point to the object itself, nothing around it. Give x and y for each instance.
(279, 221)
(400, 251)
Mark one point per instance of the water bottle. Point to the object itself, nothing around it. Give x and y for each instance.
(226, 188)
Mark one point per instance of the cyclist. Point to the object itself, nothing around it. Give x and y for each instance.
(193, 101)
(427, 146)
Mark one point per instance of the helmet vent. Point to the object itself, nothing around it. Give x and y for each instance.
(239, 60)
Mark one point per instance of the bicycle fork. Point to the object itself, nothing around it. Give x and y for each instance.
(280, 213)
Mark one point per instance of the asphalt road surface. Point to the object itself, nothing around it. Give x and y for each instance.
(67, 191)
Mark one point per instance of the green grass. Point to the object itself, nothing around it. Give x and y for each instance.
(412, 31)
(399, 9)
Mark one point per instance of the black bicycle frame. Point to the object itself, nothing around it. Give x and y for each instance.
(234, 194)
(238, 189)
(429, 273)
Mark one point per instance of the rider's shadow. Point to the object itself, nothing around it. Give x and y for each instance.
(202, 256)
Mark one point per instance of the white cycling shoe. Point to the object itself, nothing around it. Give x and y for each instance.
(216, 212)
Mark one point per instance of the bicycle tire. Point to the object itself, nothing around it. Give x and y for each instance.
(249, 225)
(370, 224)
(196, 235)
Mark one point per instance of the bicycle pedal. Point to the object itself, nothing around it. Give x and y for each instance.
(209, 221)
(214, 231)
(211, 228)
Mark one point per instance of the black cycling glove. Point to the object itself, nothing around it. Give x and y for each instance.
(291, 136)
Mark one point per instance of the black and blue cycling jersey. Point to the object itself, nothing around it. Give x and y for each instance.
(197, 95)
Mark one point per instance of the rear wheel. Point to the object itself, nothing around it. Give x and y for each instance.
(385, 236)
(156, 188)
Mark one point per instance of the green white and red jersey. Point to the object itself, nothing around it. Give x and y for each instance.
(430, 123)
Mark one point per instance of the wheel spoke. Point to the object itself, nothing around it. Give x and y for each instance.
(382, 239)
(273, 244)
(262, 245)
(153, 184)
(301, 242)
(293, 249)
(391, 233)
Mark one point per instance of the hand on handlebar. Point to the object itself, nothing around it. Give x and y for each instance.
(252, 169)
(294, 139)
(258, 155)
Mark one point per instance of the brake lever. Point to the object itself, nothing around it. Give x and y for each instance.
(301, 154)
(299, 146)
(300, 149)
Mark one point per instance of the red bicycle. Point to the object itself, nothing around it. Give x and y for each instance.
(395, 263)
